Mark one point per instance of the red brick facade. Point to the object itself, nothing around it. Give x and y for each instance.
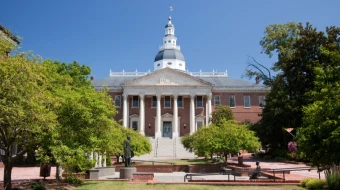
(241, 113)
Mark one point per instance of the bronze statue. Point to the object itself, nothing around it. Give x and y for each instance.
(257, 172)
(127, 152)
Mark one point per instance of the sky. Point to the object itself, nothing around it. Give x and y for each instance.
(126, 34)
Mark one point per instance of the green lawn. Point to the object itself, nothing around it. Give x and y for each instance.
(99, 185)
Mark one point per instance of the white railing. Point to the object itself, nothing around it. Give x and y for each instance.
(200, 73)
(123, 73)
(170, 46)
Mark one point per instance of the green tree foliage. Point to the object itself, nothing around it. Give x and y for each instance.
(319, 137)
(226, 137)
(26, 119)
(85, 122)
(222, 112)
(298, 50)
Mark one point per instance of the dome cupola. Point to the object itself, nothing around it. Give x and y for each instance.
(169, 54)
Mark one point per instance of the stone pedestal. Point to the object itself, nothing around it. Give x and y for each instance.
(127, 172)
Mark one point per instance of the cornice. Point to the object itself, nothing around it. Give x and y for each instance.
(167, 69)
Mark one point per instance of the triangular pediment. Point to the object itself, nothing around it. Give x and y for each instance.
(167, 115)
(167, 77)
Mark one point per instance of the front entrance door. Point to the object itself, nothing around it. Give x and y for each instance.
(167, 129)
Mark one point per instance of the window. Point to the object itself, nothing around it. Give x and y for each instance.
(135, 102)
(216, 100)
(232, 101)
(169, 63)
(262, 101)
(165, 42)
(154, 102)
(167, 102)
(134, 125)
(180, 64)
(247, 101)
(117, 101)
(180, 101)
(199, 102)
(169, 41)
(199, 124)
(158, 65)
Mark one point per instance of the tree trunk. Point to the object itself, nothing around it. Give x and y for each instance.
(59, 171)
(8, 175)
(226, 156)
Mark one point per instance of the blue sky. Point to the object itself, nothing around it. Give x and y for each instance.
(126, 34)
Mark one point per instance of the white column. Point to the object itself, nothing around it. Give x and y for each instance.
(141, 114)
(100, 160)
(158, 117)
(192, 113)
(125, 111)
(209, 106)
(175, 117)
(206, 112)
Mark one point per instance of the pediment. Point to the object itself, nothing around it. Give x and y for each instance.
(167, 77)
(167, 115)
(199, 115)
(134, 115)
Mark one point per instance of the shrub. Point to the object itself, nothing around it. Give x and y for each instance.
(333, 180)
(304, 181)
(38, 185)
(108, 161)
(74, 180)
(315, 184)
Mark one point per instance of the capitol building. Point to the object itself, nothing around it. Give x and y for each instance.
(171, 102)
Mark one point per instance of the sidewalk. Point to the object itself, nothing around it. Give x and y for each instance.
(29, 173)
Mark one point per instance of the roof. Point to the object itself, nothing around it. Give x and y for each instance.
(9, 34)
(218, 82)
(226, 82)
(169, 25)
(169, 54)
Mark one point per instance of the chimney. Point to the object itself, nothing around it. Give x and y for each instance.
(91, 77)
(257, 79)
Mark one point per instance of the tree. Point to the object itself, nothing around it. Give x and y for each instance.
(227, 137)
(85, 117)
(222, 112)
(319, 137)
(298, 50)
(26, 118)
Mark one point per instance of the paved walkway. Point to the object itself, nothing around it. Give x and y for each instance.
(28, 173)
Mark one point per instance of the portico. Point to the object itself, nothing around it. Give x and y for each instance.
(167, 96)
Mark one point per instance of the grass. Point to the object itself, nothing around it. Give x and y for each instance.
(179, 162)
(99, 185)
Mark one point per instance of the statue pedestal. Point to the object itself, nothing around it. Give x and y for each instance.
(127, 172)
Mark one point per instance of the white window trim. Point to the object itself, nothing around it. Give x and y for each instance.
(120, 101)
(164, 103)
(264, 100)
(197, 101)
(244, 101)
(199, 119)
(219, 99)
(132, 106)
(234, 101)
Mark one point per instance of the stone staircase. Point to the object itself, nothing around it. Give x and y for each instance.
(166, 148)
(182, 152)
